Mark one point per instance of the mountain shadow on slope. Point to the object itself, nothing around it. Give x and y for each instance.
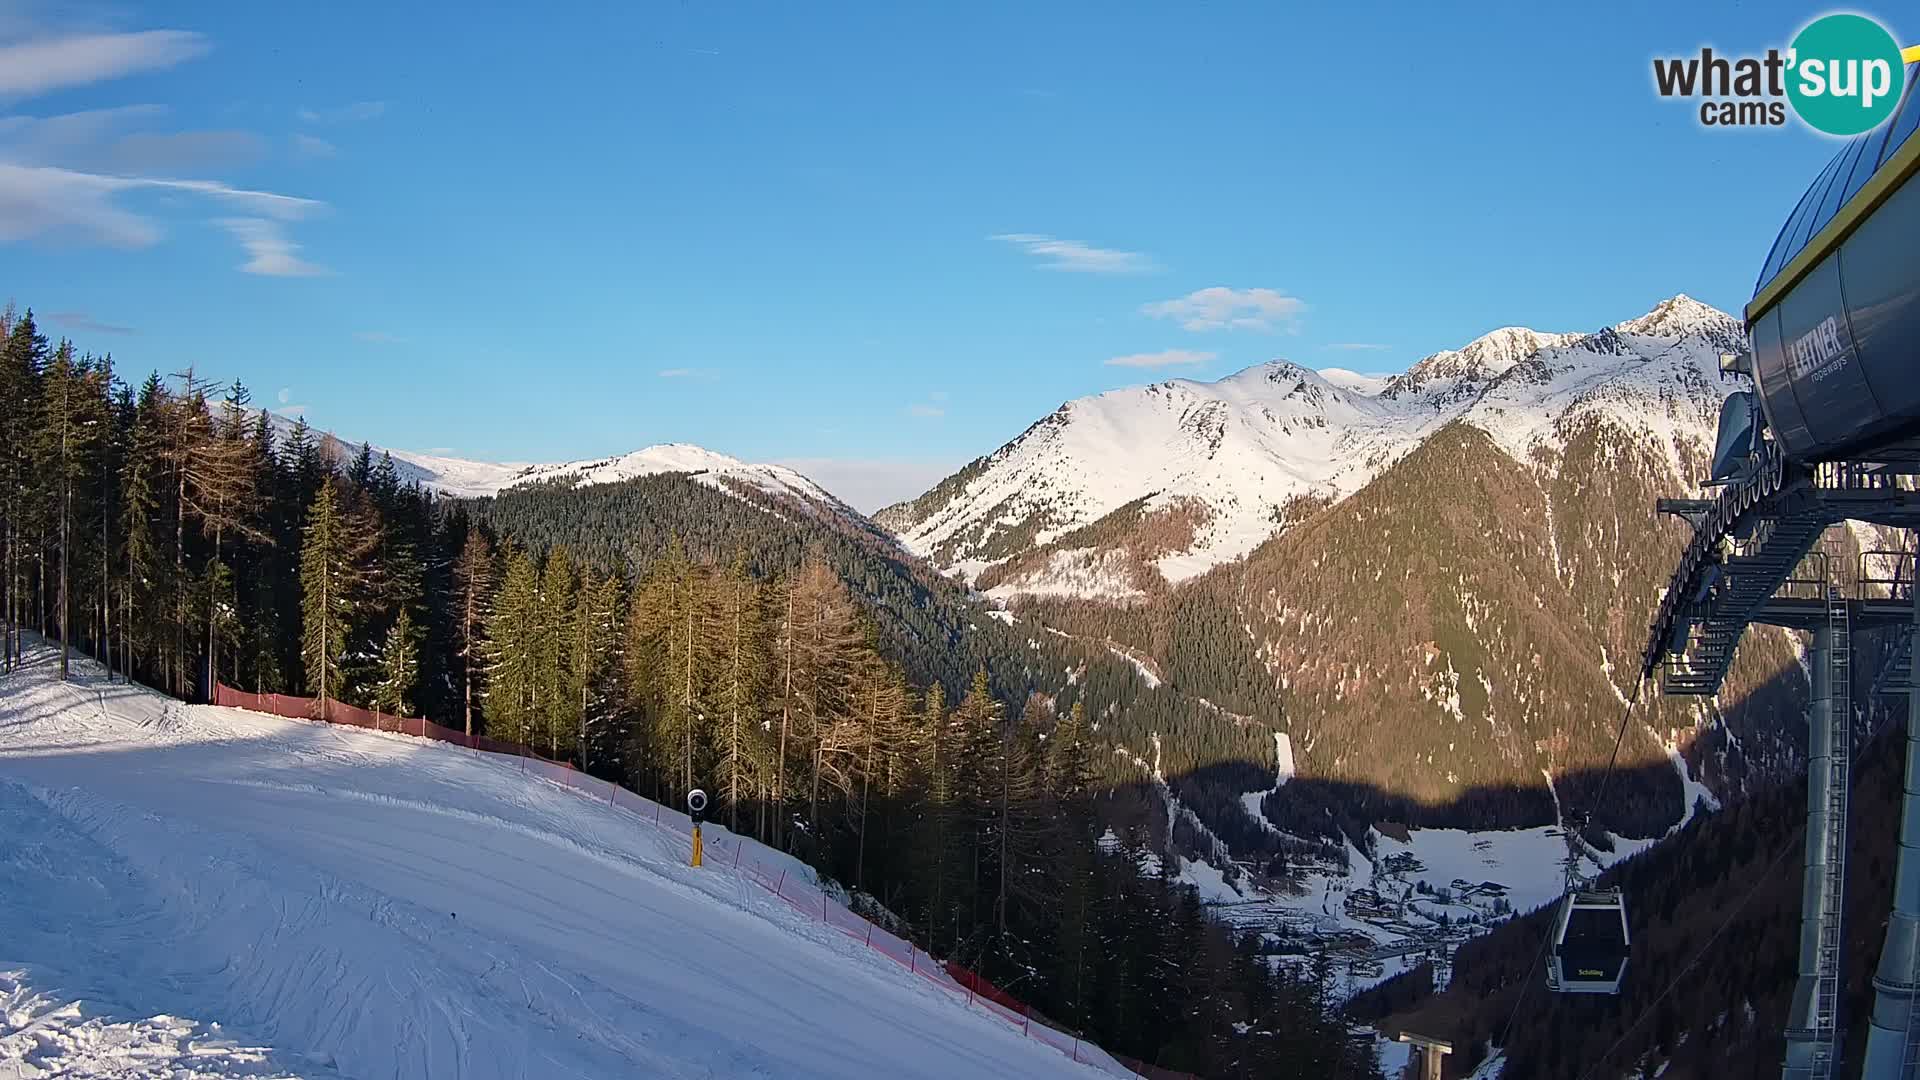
(1714, 914)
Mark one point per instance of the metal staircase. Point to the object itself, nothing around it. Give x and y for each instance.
(1896, 673)
(1839, 661)
(1748, 578)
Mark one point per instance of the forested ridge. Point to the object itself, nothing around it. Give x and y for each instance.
(1464, 622)
(167, 530)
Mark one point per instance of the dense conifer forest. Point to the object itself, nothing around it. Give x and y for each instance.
(833, 709)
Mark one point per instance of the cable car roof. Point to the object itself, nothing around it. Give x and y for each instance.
(1868, 169)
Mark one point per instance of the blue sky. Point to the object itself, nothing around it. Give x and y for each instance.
(877, 240)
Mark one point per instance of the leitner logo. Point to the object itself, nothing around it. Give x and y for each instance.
(1817, 352)
(1842, 75)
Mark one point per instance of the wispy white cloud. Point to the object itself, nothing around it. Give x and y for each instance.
(307, 146)
(155, 151)
(867, 484)
(66, 204)
(938, 395)
(1221, 308)
(80, 320)
(926, 412)
(62, 204)
(269, 252)
(340, 114)
(378, 337)
(1076, 257)
(1163, 358)
(39, 65)
(1358, 346)
(118, 142)
(688, 373)
(59, 139)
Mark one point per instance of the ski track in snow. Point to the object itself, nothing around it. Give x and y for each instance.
(204, 892)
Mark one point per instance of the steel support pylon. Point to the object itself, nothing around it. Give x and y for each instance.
(1813, 1022)
(1893, 1037)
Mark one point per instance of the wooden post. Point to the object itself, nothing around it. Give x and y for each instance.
(1429, 1052)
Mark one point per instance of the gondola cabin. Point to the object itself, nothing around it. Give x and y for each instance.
(1589, 953)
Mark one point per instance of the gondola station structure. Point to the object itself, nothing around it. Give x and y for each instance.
(1827, 431)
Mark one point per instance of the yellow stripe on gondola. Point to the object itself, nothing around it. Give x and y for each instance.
(1880, 187)
(1911, 56)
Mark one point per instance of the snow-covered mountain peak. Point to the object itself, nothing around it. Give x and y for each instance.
(1679, 316)
(465, 479)
(1207, 471)
(1354, 381)
(1455, 373)
(1498, 350)
(708, 467)
(647, 461)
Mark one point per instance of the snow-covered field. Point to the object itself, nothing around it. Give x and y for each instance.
(195, 891)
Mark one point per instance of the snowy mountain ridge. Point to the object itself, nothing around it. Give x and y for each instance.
(468, 479)
(1208, 471)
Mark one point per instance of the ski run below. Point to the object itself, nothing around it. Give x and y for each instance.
(190, 891)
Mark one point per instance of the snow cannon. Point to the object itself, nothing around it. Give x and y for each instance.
(696, 809)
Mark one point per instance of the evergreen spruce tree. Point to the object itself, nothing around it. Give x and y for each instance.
(826, 637)
(598, 621)
(940, 821)
(68, 433)
(114, 586)
(331, 581)
(975, 755)
(742, 755)
(399, 668)
(1019, 822)
(143, 529)
(473, 595)
(557, 654)
(21, 360)
(360, 473)
(512, 631)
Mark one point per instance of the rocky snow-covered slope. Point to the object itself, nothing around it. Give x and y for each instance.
(1116, 494)
(709, 467)
(463, 478)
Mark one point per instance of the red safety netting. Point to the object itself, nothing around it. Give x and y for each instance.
(773, 871)
(985, 990)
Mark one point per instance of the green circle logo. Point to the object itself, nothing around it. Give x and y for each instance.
(1845, 74)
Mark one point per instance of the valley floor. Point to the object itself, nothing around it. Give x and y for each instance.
(319, 902)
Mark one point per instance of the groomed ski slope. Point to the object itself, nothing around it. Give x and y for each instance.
(196, 891)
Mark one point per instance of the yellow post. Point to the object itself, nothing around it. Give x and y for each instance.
(696, 845)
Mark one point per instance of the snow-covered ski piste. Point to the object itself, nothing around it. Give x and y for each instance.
(193, 891)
